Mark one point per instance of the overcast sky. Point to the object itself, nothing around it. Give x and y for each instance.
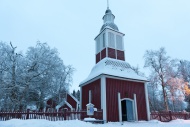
(71, 26)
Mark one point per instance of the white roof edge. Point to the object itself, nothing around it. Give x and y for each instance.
(128, 79)
(89, 81)
(68, 105)
(109, 29)
(62, 103)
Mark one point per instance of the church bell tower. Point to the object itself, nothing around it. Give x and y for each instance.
(112, 85)
(109, 42)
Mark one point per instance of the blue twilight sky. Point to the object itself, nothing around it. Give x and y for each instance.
(71, 26)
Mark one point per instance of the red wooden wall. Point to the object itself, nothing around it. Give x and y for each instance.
(103, 53)
(96, 94)
(126, 89)
(120, 55)
(71, 101)
(111, 53)
(97, 57)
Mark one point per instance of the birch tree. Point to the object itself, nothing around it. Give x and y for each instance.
(171, 75)
(159, 64)
(177, 92)
(9, 67)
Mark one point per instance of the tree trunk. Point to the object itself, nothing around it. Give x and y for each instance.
(164, 95)
(165, 99)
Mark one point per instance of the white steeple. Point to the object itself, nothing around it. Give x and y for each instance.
(108, 19)
(109, 42)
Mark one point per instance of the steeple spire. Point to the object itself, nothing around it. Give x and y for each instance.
(109, 42)
(107, 4)
(109, 19)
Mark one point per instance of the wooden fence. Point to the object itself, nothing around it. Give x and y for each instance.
(168, 116)
(52, 116)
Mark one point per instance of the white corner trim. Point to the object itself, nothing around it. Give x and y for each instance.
(89, 96)
(147, 102)
(135, 104)
(77, 107)
(119, 107)
(103, 97)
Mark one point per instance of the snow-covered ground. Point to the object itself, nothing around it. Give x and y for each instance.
(78, 123)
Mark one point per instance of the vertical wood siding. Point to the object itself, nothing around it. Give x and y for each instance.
(120, 55)
(96, 94)
(97, 57)
(126, 89)
(111, 53)
(71, 101)
(103, 53)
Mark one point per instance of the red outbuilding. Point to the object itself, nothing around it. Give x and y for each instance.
(113, 85)
(70, 103)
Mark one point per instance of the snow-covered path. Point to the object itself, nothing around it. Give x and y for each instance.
(77, 123)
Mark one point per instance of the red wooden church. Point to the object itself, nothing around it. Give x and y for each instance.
(112, 85)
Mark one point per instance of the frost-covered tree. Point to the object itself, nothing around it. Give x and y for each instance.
(46, 73)
(165, 78)
(76, 94)
(9, 69)
(184, 69)
(154, 94)
(33, 77)
(162, 68)
(158, 63)
(177, 93)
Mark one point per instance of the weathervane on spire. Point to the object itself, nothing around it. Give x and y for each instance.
(108, 4)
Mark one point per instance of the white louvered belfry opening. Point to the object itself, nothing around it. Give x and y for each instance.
(109, 39)
(119, 42)
(100, 42)
(104, 40)
(98, 45)
(115, 43)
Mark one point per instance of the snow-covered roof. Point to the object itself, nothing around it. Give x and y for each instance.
(113, 67)
(62, 103)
